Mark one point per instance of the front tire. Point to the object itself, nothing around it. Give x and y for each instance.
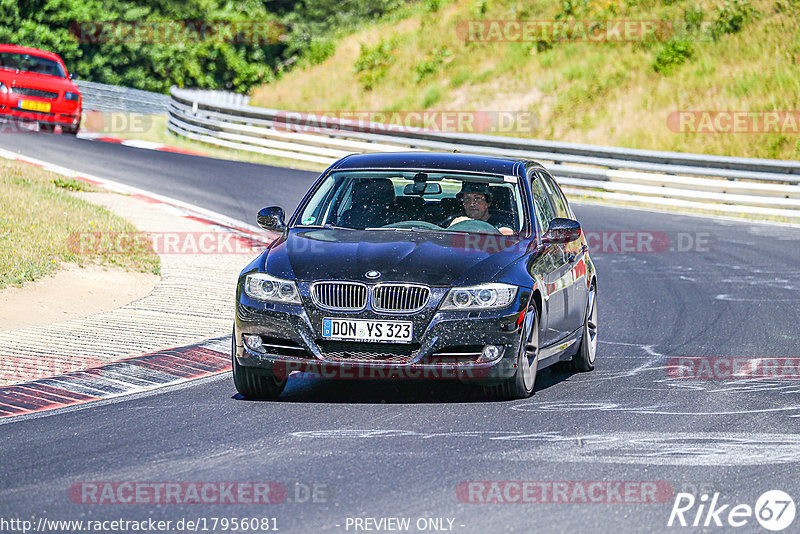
(252, 384)
(583, 360)
(520, 386)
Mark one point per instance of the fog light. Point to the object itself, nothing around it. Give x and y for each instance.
(253, 342)
(490, 353)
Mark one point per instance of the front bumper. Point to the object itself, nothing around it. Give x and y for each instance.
(445, 345)
(64, 114)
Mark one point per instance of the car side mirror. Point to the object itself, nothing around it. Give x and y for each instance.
(562, 231)
(271, 218)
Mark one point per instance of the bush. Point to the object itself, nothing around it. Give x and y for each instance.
(479, 8)
(693, 18)
(731, 18)
(319, 50)
(313, 22)
(372, 63)
(89, 36)
(433, 5)
(302, 30)
(672, 54)
(431, 64)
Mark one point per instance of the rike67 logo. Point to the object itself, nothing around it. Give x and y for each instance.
(774, 510)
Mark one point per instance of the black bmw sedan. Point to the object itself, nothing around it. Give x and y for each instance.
(419, 265)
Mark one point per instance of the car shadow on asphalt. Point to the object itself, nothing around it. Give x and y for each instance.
(310, 388)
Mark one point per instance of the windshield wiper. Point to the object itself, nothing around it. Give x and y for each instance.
(318, 226)
(403, 229)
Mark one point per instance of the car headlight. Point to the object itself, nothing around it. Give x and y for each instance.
(482, 297)
(71, 96)
(3, 89)
(261, 286)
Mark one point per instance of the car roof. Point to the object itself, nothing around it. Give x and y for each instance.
(28, 50)
(432, 160)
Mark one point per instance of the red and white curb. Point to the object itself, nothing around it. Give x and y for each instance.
(123, 377)
(131, 374)
(136, 143)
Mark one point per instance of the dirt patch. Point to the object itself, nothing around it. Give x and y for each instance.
(73, 292)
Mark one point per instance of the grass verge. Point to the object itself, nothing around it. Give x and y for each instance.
(38, 216)
(718, 56)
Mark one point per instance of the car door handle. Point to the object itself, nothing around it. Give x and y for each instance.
(573, 256)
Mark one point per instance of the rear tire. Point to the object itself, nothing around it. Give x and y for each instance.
(254, 384)
(520, 386)
(68, 130)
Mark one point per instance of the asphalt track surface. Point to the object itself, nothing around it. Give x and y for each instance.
(401, 449)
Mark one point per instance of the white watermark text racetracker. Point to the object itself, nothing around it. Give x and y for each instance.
(564, 491)
(218, 492)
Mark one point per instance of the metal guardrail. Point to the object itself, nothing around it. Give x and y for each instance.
(111, 98)
(719, 183)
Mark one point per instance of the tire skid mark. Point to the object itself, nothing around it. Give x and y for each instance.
(615, 447)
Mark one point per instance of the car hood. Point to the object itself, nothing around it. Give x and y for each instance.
(432, 258)
(37, 81)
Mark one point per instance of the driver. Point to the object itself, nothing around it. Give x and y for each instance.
(477, 200)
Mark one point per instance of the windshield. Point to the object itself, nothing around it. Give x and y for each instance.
(416, 200)
(31, 63)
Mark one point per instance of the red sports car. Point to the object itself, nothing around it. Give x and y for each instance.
(35, 86)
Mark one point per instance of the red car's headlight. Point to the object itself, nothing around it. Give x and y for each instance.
(72, 96)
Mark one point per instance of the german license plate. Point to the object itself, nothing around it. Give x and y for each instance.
(367, 330)
(33, 105)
